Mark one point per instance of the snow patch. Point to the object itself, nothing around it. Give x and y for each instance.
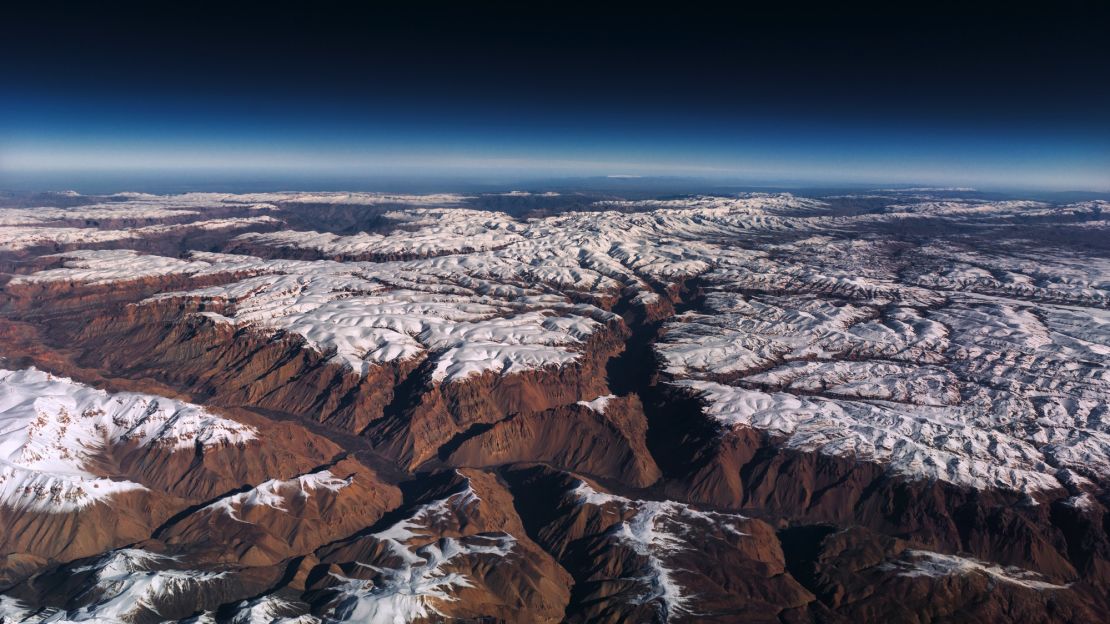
(598, 405)
(922, 563)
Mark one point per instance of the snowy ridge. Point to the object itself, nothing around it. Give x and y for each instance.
(364, 199)
(128, 585)
(10, 217)
(411, 592)
(17, 238)
(513, 308)
(984, 365)
(429, 232)
(439, 512)
(756, 203)
(531, 194)
(12, 610)
(366, 313)
(736, 334)
(51, 427)
(919, 442)
(147, 209)
(965, 207)
(108, 266)
(272, 610)
(984, 393)
(133, 209)
(342, 313)
(1066, 278)
(923, 563)
(275, 492)
(654, 530)
(420, 573)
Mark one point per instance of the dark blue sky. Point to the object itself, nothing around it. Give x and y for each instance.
(933, 93)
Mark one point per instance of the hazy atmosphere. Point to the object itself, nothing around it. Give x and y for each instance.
(992, 96)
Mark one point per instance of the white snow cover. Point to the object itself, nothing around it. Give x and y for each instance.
(993, 339)
(980, 391)
(424, 577)
(12, 610)
(125, 585)
(17, 238)
(271, 610)
(133, 208)
(411, 592)
(918, 563)
(128, 581)
(355, 316)
(275, 492)
(949, 444)
(655, 530)
(969, 207)
(128, 585)
(530, 194)
(983, 362)
(131, 212)
(365, 199)
(738, 334)
(580, 251)
(426, 233)
(144, 208)
(367, 313)
(512, 307)
(1064, 276)
(755, 203)
(51, 427)
(108, 266)
(598, 405)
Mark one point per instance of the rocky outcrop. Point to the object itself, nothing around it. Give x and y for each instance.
(651, 561)
(447, 412)
(868, 577)
(605, 438)
(456, 551)
(33, 539)
(279, 519)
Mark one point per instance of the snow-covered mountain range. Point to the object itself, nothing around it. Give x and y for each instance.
(317, 407)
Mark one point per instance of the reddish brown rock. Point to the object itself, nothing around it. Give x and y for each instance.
(282, 518)
(574, 437)
(460, 543)
(642, 560)
(868, 577)
(40, 537)
(414, 433)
